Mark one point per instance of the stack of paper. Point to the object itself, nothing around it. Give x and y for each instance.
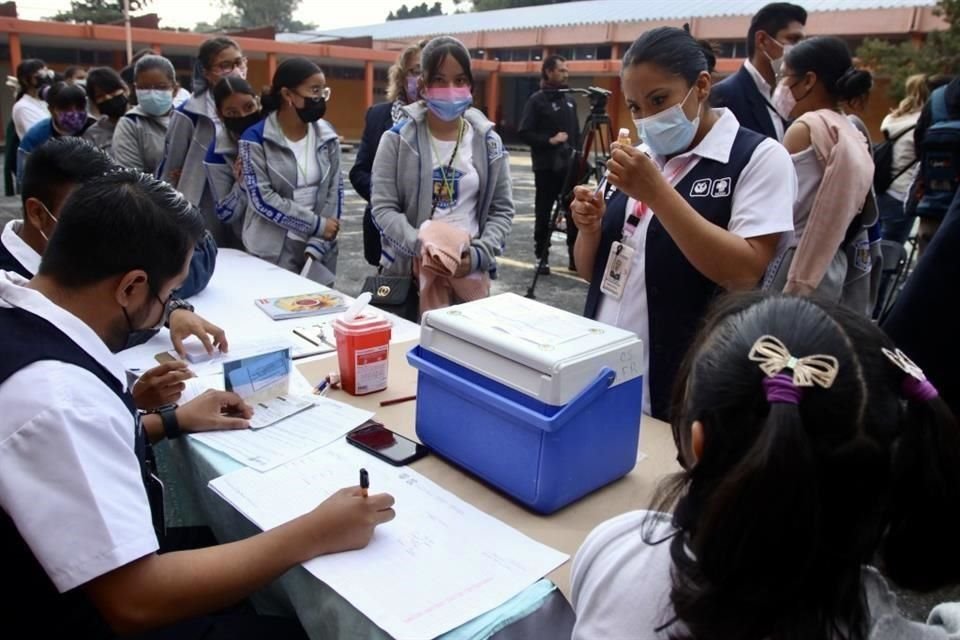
(441, 563)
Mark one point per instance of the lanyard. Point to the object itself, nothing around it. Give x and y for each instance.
(447, 175)
(641, 209)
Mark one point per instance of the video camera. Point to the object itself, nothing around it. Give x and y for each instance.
(596, 95)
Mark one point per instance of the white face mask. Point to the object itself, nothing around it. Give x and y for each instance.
(670, 131)
(777, 63)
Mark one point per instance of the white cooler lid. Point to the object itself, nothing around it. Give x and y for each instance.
(526, 331)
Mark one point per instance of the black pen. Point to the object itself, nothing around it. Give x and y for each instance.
(364, 482)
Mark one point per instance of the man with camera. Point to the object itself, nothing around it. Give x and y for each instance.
(550, 126)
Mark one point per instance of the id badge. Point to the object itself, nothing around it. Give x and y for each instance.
(617, 270)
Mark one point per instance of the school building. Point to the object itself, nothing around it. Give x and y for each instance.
(507, 46)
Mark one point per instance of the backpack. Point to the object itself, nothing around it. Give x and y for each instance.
(883, 175)
(939, 173)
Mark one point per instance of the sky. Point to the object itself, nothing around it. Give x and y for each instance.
(326, 14)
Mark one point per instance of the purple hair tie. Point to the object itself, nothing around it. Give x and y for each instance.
(918, 390)
(781, 389)
(915, 385)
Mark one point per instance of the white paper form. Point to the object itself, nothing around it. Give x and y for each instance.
(439, 564)
(288, 439)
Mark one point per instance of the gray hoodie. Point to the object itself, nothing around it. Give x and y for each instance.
(275, 227)
(138, 140)
(402, 191)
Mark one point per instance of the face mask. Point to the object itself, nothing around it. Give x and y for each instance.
(71, 122)
(155, 102)
(237, 126)
(43, 79)
(448, 103)
(52, 217)
(312, 110)
(136, 337)
(412, 89)
(81, 83)
(776, 64)
(670, 131)
(783, 100)
(114, 107)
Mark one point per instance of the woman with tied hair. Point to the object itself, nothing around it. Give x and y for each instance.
(138, 142)
(290, 164)
(442, 197)
(899, 125)
(401, 91)
(834, 171)
(696, 209)
(193, 129)
(811, 447)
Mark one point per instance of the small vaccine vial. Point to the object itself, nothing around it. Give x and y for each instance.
(623, 137)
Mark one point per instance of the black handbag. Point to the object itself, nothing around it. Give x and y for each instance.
(400, 295)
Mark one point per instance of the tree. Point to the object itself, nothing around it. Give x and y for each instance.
(249, 14)
(493, 5)
(416, 11)
(97, 11)
(939, 54)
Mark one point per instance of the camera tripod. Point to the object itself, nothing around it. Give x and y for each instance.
(589, 160)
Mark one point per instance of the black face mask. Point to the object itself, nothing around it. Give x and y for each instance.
(237, 126)
(115, 107)
(313, 109)
(136, 337)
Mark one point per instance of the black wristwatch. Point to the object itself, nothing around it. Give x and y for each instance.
(172, 306)
(171, 426)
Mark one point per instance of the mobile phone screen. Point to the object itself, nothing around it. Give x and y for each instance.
(386, 444)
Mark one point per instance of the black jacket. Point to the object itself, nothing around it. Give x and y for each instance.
(378, 120)
(926, 116)
(546, 113)
(739, 93)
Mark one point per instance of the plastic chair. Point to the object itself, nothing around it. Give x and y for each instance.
(895, 261)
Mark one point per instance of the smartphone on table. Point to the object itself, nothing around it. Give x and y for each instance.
(377, 440)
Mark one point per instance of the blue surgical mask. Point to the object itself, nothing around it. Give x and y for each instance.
(670, 131)
(448, 103)
(155, 102)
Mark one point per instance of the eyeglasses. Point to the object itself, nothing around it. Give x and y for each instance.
(316, 93)
(228, 66)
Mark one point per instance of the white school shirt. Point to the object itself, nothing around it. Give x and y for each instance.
(27, 112)
(762, 204)
(19, 249)
(462, 212)
(69, 475)
(767, 92)
(308, 173)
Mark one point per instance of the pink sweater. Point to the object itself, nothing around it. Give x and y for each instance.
(847, 176)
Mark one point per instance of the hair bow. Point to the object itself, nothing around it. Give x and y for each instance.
(908, 366)
(773, 357)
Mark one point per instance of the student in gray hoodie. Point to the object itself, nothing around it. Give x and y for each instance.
(193, 129)
(139, 137)
(109, 95)
(444, 163)
(291, 173)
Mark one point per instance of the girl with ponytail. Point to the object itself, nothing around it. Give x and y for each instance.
(194, 126)
(798, 438)
(834, 170)
(290, 169)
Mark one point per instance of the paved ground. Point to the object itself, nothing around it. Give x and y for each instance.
(562, 289)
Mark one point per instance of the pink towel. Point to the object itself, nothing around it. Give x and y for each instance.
(441, 250)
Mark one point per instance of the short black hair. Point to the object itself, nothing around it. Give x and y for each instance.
(437, 51)
(549, 64)
(103, 80)
(71, 71)
(65, 96)
(61, 163)
(119, 222)
(771, 19)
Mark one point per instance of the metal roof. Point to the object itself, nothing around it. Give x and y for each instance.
(574, 13)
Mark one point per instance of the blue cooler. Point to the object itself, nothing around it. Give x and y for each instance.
(539, 402)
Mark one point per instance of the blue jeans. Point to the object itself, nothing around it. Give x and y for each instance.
(895, 225)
